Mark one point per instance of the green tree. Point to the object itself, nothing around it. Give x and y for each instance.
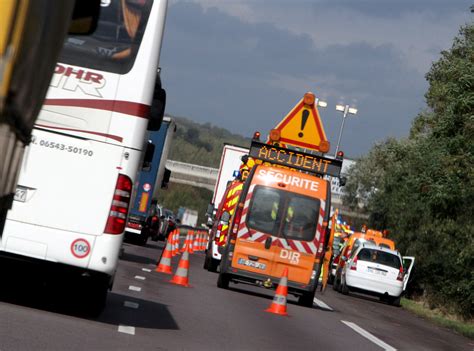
(422, 188)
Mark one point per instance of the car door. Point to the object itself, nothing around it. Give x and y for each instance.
(408, 262)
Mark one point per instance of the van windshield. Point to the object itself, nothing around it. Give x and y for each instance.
(114, 44)
(380, 257)
(285, 214)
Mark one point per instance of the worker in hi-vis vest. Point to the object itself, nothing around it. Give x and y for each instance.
(328, 254)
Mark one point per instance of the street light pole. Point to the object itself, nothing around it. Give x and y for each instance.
(345, 109)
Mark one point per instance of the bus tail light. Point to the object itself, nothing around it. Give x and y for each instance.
(119, 209)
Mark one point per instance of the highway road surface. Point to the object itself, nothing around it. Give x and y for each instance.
(145, 312)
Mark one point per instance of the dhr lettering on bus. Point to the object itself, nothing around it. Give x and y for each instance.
(70, 78)
(290, 180)
(291, 158)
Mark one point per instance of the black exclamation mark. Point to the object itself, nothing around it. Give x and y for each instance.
(304, 119)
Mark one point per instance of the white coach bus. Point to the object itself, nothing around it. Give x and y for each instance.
(77, 175)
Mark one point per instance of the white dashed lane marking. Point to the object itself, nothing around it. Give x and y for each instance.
(146, 270)
(139, 277)
(131, 304)
(322, 304)
(126, 329)
(369, 336)
(134, 288)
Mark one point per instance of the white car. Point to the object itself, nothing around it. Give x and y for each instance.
(378, 271)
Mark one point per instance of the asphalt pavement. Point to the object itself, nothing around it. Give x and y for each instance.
(145, 312)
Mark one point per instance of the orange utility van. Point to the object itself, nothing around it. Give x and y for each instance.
(280, 221)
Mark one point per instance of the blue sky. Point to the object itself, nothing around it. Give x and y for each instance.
(243, 65)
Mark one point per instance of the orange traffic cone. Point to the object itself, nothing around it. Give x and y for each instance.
(181, 275)
(188, 242)
(191, 242)
(196, 241)
(175, 242)
(165, 263)
(186, 239)
(278, 305)
(201, 242)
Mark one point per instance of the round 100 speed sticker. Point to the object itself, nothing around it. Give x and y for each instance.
(80, 248)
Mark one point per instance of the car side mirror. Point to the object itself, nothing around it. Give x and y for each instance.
(225, 217)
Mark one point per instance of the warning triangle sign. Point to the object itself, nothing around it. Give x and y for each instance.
(302, 127)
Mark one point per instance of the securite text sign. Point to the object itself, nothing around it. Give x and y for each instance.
(295, 159)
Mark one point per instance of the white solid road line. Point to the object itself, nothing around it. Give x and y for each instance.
(134, 288)
(146, 270)
(131, 304)
(126, 329)
(139, 277)
(322, 304)
(369, 336)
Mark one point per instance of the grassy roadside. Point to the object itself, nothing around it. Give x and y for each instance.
(464, 328)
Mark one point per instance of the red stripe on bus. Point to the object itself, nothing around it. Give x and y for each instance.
(110, 136)
(126, 107)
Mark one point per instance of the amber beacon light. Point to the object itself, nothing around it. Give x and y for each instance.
(309, 99)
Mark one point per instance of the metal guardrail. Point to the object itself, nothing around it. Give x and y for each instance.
(191, 169)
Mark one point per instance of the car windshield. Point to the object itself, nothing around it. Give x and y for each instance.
(380, 257)
(281, 213)
(114, 44)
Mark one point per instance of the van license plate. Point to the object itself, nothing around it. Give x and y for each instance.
(20, 194)
(253, 264)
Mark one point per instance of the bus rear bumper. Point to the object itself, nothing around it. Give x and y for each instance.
(83, 251)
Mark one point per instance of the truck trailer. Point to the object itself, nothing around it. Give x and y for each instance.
(152, 178)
